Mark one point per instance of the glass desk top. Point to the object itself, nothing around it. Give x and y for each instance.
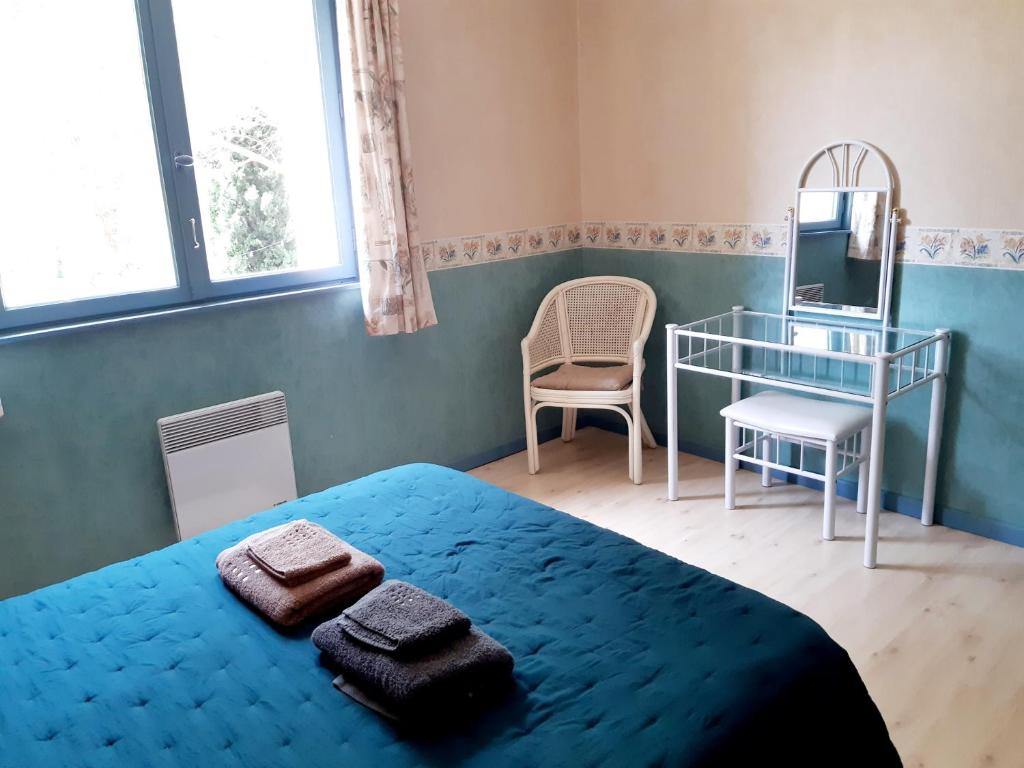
(803, 333)
(807, 353)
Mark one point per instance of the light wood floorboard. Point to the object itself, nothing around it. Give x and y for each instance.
(937, 630)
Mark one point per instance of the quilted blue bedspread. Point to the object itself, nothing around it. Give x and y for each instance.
(624, 656)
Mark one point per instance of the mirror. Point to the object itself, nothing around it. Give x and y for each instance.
(838, 250)
(842, 234)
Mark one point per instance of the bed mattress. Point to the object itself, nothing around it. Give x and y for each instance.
(624, 656)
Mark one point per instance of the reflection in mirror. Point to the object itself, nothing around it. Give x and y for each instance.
(839, 249)
(820, 337)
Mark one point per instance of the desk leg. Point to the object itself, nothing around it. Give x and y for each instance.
(736, 391)
(931, 465)
(671, 415)
(737, 352)
(880, 400)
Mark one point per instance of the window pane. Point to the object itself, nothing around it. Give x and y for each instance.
(81, 196)
(251, 75)
(818, 206)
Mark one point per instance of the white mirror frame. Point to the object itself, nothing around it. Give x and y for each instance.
(846, 158)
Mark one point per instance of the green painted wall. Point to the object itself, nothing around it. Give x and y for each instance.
(81, 478)
(980, 481)
(82, 482)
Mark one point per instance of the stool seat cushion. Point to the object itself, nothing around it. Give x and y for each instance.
(586, 378)
(799, 416)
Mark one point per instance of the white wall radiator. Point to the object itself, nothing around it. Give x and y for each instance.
(227, 462)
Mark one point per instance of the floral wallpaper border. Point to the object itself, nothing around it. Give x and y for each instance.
(944, 246)
(962, 247)
(742, 239)
(465, 250)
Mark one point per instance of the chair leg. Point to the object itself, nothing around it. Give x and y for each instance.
(645, 430)
(730, 465)
(637, 447)
(766, 472)
(828, 526)
(532, 449)
(631, 449)
(568, 424)
(862, 472)
(635, 437)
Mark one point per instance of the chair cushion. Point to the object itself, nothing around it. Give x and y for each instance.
(586, 378)
(799, 416)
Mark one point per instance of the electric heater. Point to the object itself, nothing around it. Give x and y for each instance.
(810, 292)
(227, 462)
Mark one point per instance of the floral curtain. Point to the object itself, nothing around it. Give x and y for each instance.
(392, 274)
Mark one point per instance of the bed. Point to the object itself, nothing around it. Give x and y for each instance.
(624, 656)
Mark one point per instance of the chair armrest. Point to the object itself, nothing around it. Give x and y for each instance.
(525, 346)
(638, 361)
(638, 351)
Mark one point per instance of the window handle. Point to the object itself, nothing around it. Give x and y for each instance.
(195, 236)
(184, 161)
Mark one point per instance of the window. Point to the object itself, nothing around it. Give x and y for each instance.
(168, 153)
(822, 211)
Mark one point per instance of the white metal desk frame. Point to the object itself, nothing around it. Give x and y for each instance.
(914, 366)
(933, 347)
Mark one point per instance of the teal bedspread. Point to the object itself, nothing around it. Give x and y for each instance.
(624, 656)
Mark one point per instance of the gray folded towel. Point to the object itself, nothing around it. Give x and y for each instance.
(298, 551)
(357, 693)
(471, 670)
(290, 605)
(403, 619)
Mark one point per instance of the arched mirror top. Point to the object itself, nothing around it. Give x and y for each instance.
(847, 164)
(843, 233)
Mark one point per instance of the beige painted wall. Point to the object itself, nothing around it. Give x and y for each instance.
(491, 90)
(706, 109)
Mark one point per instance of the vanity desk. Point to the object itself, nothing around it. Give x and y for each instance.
(845, 361)
(824, 345)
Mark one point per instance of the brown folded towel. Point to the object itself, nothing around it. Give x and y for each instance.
(291, 605)
(298, 551)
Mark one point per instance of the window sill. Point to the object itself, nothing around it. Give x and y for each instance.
(59, 329)
(825, 232)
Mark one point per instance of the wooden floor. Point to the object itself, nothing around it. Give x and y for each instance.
(937, 630)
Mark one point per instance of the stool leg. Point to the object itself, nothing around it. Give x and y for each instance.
(730, 465)
(862, 471)
(766, 450)
(828, 528)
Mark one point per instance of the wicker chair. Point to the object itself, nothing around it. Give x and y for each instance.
(591, 320)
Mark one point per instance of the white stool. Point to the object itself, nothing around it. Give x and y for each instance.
(841, 430)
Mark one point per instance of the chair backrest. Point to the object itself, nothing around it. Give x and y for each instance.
(591, 319)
